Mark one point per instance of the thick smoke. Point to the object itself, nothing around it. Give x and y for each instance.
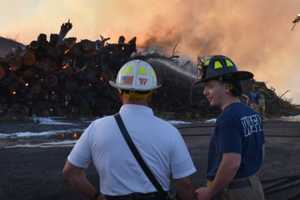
(255, 34)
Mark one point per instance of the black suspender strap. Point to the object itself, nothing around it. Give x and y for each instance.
(138, 156)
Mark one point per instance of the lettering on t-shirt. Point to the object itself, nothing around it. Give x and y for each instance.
(251, 124)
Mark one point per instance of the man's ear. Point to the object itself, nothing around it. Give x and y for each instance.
(120, 95)
(228, 87)
(149, 97)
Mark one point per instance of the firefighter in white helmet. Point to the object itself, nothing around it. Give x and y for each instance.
(159, 144)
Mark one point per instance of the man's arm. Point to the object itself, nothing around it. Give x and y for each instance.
(227, 170)
(259, 173)
(182, 167)
(78, 181)
(185, 188)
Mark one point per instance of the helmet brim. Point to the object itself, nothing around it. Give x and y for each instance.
(242, 75)
(117, 86)
(239, 75)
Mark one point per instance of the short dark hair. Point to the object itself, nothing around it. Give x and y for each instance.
(137, 92)
(235, 86)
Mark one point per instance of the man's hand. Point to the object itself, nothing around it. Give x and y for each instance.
(203, 193)
(100, 197)
(185, 188)
(77, 179)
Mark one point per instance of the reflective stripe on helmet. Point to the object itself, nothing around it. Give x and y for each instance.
(136, 75)
(142, 71)
(218, 65)
(128, 70)
(229, 63)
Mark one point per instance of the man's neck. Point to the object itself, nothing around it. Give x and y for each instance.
(229, 101)
(140, 103)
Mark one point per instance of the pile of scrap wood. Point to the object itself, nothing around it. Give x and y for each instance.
(63, 77)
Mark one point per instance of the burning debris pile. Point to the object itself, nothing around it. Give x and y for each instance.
(62, 76)
(65, 77)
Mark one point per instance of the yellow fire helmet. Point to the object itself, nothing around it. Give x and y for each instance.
(136, 75)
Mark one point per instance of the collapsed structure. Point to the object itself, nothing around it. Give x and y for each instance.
(65, 77)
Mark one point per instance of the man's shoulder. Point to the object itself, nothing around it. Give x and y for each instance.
(236, 110)
(233, 113)
(243, 110)
(164, 124)
(103, 120)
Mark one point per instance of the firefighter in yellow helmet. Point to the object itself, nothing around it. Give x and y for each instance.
(237, 145)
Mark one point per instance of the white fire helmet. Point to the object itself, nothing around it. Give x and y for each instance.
(136, 75)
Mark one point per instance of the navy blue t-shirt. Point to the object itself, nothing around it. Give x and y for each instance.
(239, 130)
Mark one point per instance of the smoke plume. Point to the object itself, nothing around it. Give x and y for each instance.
(255, 34)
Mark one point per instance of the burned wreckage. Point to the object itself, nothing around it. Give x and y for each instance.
(65, 77)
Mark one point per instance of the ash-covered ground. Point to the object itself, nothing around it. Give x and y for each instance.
(32, 156)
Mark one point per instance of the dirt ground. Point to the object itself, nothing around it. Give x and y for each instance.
(36, 173)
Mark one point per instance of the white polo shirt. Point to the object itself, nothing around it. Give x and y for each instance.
(160, 144)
